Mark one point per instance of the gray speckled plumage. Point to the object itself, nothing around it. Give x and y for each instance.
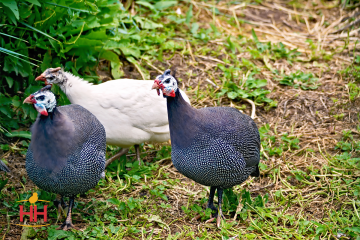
(3, 167)
(217, 146)
(67, 151)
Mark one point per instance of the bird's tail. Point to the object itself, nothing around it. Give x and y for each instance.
(256, 172)
(3, 167)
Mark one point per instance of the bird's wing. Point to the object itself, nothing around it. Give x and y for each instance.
(237, 129)
(3, 167)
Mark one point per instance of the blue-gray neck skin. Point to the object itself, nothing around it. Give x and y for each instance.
(182, 120)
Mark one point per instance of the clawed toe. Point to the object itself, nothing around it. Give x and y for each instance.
(210, 220)
(196, 218)
(218, 219)
(66, 226)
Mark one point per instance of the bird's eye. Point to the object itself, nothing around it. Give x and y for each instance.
(167, 80)
(40, 98)
(51, 77)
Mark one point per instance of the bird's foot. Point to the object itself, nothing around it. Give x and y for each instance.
(197, 217)
(218, 219)
(66, 226)
(210, 220)
(116, 156)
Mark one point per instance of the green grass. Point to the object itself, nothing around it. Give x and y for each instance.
(310, 179)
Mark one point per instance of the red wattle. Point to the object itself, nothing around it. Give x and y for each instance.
(172, 93)
(45, 113)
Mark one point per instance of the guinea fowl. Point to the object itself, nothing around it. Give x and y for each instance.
(66, 154)
(130, 113)
(215, 146)
(3, 167)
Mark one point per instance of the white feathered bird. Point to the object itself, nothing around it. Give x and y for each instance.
(128, 109)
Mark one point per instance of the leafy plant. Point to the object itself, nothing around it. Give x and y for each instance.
(251, 88)
(305, 81)
(354, 90)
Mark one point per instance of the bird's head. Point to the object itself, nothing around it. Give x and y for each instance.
(35, 194)
(167, 83)
(52, 76)
(43, 100)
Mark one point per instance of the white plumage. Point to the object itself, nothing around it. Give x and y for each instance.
(129, 110)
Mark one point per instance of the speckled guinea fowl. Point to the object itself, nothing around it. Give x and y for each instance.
(216, 146)
(3, 167)
(66, 154)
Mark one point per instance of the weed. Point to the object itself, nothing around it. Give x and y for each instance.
(305, 81)
(250, 88)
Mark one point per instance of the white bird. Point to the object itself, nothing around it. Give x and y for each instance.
(128, 109)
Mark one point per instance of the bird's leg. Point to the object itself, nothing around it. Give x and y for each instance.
(220, 214)
(116, 156)
(63, 203)
(68, 224)
(211, 199)
(137, 150)
(59, 203)
(211, 204)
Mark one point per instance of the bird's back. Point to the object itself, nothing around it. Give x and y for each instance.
(67, 153)
(129, 110)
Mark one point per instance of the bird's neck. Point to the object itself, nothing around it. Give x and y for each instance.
(182, 120)
(74, 86)
(51, 140)
(51, 115)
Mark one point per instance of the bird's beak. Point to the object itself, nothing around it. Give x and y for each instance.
(30, 99)
(42, 78)
(156, 86)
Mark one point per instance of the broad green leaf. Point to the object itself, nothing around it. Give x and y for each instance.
(127, 51)
(13, 7)
(146, 4)
(115, 63)
(35, 2)
(3, 183)
(114, 201)
(232, 95)
(10, 81)
(11, 16)
(256, 83)
(194, 28)
(147, 24)
(116, 70)
(6, 110)
(46, 61)
(16, 101)
(100, 35)
(60, 234)
(164, 4)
